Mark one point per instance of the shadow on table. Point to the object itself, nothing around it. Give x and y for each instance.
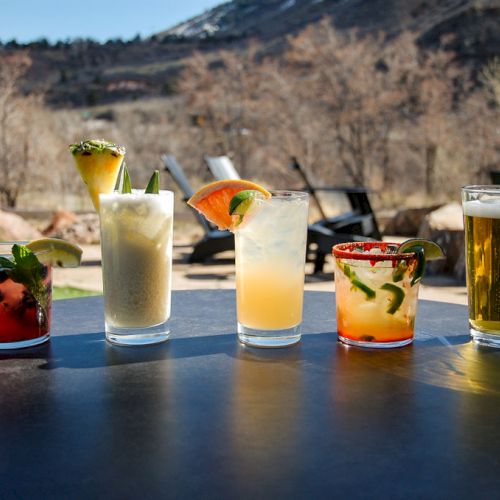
(90, 350)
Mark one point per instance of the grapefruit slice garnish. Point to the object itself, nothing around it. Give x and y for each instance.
(214, 199)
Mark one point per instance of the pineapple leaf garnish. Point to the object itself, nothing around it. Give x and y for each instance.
(153, 186)
(126, 183)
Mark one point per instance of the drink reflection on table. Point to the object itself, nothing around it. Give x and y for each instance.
(130, 446)
(477, 415)
(266, 415)
(372, 392)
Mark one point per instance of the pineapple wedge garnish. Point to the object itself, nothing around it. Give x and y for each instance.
(99, 164)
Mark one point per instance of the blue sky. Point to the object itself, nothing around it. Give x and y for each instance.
(27, 20)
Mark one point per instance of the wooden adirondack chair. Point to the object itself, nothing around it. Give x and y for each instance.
(214, 241)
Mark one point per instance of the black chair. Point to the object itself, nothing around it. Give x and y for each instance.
(214, 241)
(320, 237)
(360, 220)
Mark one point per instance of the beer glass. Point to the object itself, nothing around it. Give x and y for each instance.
(481, 207)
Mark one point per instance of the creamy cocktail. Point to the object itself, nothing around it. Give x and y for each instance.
(270, 259)
(481, 206)
(136, 243)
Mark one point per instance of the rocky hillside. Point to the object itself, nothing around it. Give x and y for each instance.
(86, 73)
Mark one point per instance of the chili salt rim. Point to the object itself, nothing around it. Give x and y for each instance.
(346, 251)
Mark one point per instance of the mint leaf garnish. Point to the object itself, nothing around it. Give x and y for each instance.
(6, 263)
(27, 270)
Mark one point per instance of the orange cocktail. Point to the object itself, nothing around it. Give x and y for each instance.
(376, 294)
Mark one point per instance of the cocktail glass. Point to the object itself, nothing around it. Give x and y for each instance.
(270, 259)
(376, 294)
(481, 207)
(25, 313)
(136, 245)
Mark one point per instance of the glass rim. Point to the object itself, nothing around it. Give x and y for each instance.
(287, 193)
(347, 251)
(482, 188)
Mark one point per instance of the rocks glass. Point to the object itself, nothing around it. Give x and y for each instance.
(376, 294)
(25, 309)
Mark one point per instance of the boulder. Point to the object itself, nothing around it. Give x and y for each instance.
(445, 226)
(62, 219)
(15, 228)
(81, 228)
(447, 217)
(407, 221)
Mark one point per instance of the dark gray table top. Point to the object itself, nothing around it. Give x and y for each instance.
(203, 417)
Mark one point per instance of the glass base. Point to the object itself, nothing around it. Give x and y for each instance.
(485, 339)
(268, 338)
(24, 343)
(377, 345)
(137, 336)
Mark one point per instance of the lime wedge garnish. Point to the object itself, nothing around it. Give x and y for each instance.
(56, 252)
(242, 201)
(432, 250)
(425, 250)
(153, 186)
(398, 296)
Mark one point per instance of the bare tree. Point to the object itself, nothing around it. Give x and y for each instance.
(14, 146)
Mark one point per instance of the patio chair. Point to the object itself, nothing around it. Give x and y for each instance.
(320, 237)
(360, 220)
(221, 167)
(495, 176)
(214, 241)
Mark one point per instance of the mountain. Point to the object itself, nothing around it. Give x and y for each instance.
(475, 23)
(84, 72)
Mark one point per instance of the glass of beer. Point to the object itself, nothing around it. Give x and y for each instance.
(481, 206)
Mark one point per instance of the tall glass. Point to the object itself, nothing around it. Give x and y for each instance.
(270, 260)
(376, 294)
(25, 311)
(481, 206)
(136, 245)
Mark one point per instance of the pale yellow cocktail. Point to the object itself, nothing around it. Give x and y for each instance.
(270, 259)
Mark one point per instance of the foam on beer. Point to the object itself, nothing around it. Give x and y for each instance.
(483, 208)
